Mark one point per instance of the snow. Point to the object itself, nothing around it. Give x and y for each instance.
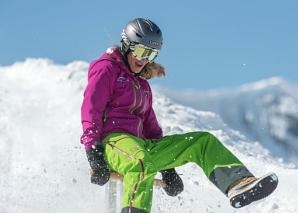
(44, 168)
(265, 111)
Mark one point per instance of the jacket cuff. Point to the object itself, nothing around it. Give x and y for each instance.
(90, 137)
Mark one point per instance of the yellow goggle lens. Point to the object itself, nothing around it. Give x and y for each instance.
(142, 52)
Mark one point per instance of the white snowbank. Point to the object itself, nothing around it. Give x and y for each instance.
(44, 168)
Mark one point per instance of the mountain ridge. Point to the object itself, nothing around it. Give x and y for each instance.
(265, 111)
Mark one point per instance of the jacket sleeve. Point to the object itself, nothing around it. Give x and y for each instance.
(151, 129)
(97, 94)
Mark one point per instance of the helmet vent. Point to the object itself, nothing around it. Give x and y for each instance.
(138, 35)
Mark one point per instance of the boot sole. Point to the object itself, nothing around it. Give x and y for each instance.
(260, 189)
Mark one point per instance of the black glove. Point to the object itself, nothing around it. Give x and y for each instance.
(174, 184)
(100, 171)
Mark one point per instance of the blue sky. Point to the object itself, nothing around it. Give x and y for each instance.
(207, 44)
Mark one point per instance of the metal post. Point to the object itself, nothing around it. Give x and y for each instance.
(111, 197)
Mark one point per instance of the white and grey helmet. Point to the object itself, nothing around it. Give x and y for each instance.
(141, 31)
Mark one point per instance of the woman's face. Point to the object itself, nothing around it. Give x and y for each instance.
(136, 65)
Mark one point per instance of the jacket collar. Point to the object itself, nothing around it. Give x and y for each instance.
(114, 54)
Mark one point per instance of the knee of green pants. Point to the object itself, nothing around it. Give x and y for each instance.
(139, 162)
(209, 153)
(126, 152)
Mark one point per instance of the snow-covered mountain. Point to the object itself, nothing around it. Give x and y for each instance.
(264, 111)
(44, 168)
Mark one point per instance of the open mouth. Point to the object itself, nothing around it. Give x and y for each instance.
(138, 64)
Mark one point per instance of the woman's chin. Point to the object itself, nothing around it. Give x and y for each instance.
(136, 69)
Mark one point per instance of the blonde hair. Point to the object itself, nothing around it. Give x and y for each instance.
(152, 70)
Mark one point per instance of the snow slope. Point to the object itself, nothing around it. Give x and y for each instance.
(44, 168)
(265, 111)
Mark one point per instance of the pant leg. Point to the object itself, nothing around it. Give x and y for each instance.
(127, 156)
(218, 163)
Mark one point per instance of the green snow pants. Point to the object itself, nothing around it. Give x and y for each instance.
(139, 161)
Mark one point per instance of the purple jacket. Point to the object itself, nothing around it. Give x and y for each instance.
(116, 101)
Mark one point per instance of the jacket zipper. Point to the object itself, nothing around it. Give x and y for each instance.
(134, 98)
(136, 86)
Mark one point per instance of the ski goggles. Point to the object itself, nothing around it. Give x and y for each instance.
(142, 52)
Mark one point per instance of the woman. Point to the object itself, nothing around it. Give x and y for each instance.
(121, 132)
